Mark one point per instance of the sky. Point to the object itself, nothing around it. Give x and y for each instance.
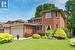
(25, 9)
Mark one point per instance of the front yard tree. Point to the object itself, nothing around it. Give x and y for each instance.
(70, 8)
(45, 6)
(38, 9)
(72, 20)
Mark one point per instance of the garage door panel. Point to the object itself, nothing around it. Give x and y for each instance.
(17, 30)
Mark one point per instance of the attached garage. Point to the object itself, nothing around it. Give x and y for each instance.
(17, 30)
(19, 27)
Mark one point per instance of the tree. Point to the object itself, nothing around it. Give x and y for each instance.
(45, 6)
(38, 9)
(70, 8)
(72, 20)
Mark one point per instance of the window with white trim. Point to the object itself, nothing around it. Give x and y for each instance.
(48, 15)
(58, 14)
(48, 27)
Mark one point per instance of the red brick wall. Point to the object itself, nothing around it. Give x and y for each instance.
(28, 30)
(52, 21)
(38, 31)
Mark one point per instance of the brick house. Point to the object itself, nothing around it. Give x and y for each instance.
(50, 19)
(53, 19)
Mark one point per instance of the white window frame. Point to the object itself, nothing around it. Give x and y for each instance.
(58, 14)
(47, 27)
(48, 15)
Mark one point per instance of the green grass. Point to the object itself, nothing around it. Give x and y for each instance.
(32, 44)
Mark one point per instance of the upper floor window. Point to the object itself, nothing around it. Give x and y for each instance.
(58, 14)
(48, 15)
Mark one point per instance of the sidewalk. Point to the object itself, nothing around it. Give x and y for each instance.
(22, 38)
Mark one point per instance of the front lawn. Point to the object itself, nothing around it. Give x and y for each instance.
(38, 44)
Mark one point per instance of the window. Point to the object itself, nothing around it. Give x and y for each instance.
(57, 26)
(58, 14)
(39, 27)
(48, 27)
(48, 15)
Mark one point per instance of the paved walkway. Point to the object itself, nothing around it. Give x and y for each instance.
(22, 38)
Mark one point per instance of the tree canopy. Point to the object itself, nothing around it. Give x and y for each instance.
(70, 8)
(45, 6)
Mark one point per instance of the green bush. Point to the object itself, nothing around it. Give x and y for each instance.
(36, 36)
(66, 31)
(5, 37)
(72, 42)
(50, 33)
(44, 37)
(60, 33)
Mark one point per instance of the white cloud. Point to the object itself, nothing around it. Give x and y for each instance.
(60, 3)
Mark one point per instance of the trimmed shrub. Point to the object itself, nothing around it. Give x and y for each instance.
(44, 37)
(72, 42)
(66, 31)
(5, 37)
(50, 33)
(60, 34)
(36, 36)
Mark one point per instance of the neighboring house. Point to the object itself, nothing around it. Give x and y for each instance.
(50, 19)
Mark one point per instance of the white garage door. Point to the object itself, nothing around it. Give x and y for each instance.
(17, 30)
